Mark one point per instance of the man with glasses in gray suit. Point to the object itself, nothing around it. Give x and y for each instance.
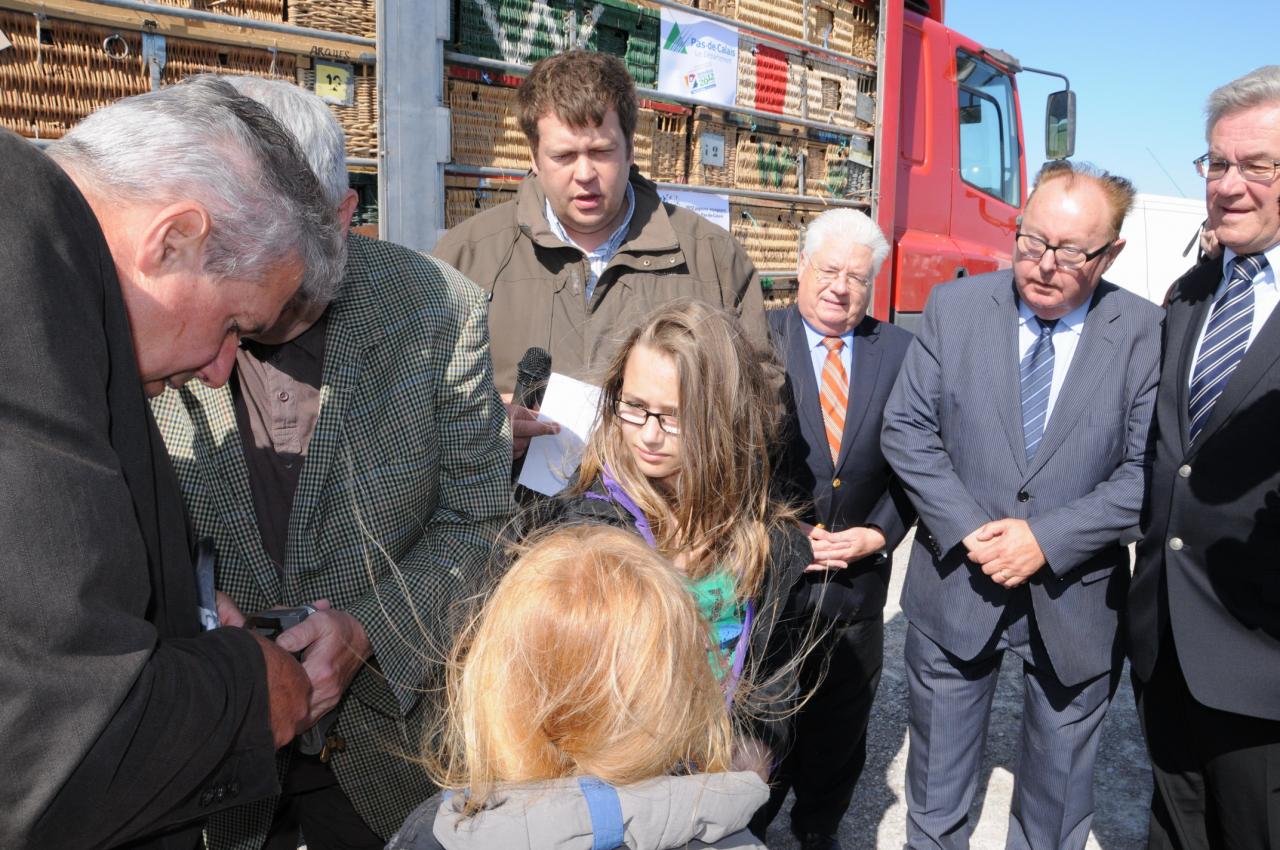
(1018, 428)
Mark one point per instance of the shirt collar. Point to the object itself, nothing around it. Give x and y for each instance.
(816, 337)
(611, 245)
(1073, 321)
(1268, 274)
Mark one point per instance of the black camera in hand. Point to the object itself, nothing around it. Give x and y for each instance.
(271, 623)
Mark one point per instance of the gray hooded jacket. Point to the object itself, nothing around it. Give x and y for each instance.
(699, 811)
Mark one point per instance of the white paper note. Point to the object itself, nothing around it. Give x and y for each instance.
(551, 460)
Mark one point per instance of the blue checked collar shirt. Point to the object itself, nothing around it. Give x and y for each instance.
(598, 259)
(1066, 336)
(1266, 295)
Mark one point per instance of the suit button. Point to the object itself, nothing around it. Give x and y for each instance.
(206, 799)
(821, 525)
(835, 483)
(1024, 496)
(1184, 471)
(1176, 544)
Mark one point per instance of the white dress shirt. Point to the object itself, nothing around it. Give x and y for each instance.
(1266, 294)
(1066, 335)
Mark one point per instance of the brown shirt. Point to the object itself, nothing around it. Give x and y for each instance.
(276, 390)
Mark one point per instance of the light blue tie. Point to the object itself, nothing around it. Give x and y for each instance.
(1037, 377)
(1226, 337)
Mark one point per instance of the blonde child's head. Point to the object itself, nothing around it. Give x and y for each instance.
(589, 658)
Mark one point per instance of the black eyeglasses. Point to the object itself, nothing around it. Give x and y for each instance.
(1213, 167)
(634, 414)
(1066, 256)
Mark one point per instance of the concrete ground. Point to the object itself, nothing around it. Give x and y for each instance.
(877, 817)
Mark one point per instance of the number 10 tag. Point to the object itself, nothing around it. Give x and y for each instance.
(334, 83)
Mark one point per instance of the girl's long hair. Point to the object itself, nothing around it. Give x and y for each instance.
(720, 505)
(589, 658)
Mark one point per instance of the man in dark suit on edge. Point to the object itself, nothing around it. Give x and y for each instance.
(1019, 429)
(841, 365)
(178, 220)
(1204, 608)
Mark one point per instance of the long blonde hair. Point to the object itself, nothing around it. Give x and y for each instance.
(729, 415)
(589, 658)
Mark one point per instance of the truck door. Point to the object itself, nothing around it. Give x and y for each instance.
(988, 189)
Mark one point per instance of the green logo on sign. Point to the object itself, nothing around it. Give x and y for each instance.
(675, 41)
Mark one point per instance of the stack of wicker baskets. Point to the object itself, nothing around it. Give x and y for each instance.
(785, 17)
(354, 17)
(262, 10)
(51, 80)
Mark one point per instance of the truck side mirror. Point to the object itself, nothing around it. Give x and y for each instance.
(1060, 125)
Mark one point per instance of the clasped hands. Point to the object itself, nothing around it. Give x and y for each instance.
(1007, 550)
(836, 550)
(333, 644)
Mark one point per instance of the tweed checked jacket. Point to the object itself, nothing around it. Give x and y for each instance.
(402, 492)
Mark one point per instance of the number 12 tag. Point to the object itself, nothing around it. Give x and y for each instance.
(334, 83)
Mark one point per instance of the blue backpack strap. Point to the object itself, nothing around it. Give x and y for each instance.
(606, 813)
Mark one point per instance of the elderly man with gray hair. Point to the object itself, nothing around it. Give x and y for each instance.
(841, 364)
(358, 462)
(1204, 607)
(178, 221)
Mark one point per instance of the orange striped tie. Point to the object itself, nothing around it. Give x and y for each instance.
(834, 394)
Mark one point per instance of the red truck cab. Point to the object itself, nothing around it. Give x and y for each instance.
(952, 193)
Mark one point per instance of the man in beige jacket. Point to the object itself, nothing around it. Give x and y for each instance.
(588, 247)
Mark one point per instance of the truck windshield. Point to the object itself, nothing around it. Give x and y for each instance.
(989, 154)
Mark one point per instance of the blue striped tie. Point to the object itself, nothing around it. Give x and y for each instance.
(1226, 337)
(1037, 377)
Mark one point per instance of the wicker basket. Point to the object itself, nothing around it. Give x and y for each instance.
(771, 235)
(708, 127)
(466, 196)
(185, 57)
(661, 146)
(785, 17)
(262, 10)
(45, 88)
(844, 26)
(832, 91)
(51, 81)
(486, 131)
(768, 161)
(354, 17)
(360, 120)
(866, 21)
(769, 79)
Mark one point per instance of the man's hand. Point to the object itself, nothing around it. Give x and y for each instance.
(525, 426)
(1007, 551)
(288, 692)
(334, 646)
(836, 550)
(228, 612)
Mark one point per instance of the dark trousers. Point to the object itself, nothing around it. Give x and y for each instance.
(313, 804)
(841, 675)
(1217, 774)
(950, 703)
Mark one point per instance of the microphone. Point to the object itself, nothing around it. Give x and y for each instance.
(532, 375)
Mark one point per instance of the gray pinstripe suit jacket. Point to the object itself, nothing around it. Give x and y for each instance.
(953, 434)
(404, 487)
